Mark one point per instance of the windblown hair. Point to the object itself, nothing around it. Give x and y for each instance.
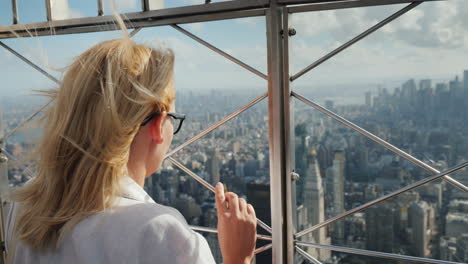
(96, 112)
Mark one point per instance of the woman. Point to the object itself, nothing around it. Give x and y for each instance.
(109, 128)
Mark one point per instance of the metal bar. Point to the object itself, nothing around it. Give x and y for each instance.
(383, 198)
(159, 14)
(2, 233)
(263, 248)
(380, 141)
(342, 2)
(35, 66)
(348, 4)
(14, 11)
(214, 230)
(11, 132)
(13, 158)
(145, 5)
(150, 22)
(99, 7)
(307, 255)
(213, 127)
(278, 116)
(370, 253)
(133, 33)
(32, 64)
(220, 52)
(48, 10)
(356, 39)
(291, 216)
(210, 187)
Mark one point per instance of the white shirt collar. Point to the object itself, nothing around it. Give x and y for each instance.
(131, 190)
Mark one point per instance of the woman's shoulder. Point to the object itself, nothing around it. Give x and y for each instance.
(134, 217)
(145, 231)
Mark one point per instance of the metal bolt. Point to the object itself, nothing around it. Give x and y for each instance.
(294, 176)
(292, 32)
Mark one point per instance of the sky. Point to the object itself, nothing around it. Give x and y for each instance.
(431, 41)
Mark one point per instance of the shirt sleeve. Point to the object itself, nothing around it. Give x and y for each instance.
(167, 239)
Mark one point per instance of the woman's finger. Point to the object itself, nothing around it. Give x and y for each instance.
(220, 197)
(242, 205)
(233, 201)
(251, 210)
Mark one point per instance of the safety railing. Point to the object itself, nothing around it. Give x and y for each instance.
(285, 241)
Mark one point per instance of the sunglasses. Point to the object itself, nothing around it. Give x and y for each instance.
(176, 119)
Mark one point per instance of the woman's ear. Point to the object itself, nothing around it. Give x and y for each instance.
(157, 128)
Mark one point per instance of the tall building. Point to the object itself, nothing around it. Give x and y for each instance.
(368, 99)
(465, 81)
(421, 220)
(380, 231)
(462, 248)
(315, 204)
(3, 173)
(258, 194)
(336, 175)
(213, 165)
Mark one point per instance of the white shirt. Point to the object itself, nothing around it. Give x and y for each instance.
(136, 230)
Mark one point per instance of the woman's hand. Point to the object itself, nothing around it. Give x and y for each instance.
(237, 227)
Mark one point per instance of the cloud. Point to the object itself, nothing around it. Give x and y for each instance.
(195, 26)
(120, 5)
(432, 24)
(61, 10)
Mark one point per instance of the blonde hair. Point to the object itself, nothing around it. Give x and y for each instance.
(105, 94)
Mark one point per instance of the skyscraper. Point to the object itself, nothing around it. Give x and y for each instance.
(258, 194)
(336, 175)
(380, 233)
(421, 221)
(314, 202)
(213, 165)
(3, 173)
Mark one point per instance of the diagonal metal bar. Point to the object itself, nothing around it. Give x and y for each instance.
(136, 30)
(380, 141)
(32, 64)
(383, 198)
(370, 253)
(263, 248)
(10, 156)
(18, 127)
(307, 255)
(213, 127)
(214, 230)
(52, 78)
(356, 39)
(210, 187)
(220, 52)
(324, 6)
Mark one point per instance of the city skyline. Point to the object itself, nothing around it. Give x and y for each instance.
(338, 169)
(427, 42)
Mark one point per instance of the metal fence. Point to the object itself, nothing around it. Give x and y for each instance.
(285, 240)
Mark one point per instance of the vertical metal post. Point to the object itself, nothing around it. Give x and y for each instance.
(279, 138)
(145, 5)
(14, 11)
(100, 8)
(291, 215)
(48, 10)
(3, 190)
(2, 233)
